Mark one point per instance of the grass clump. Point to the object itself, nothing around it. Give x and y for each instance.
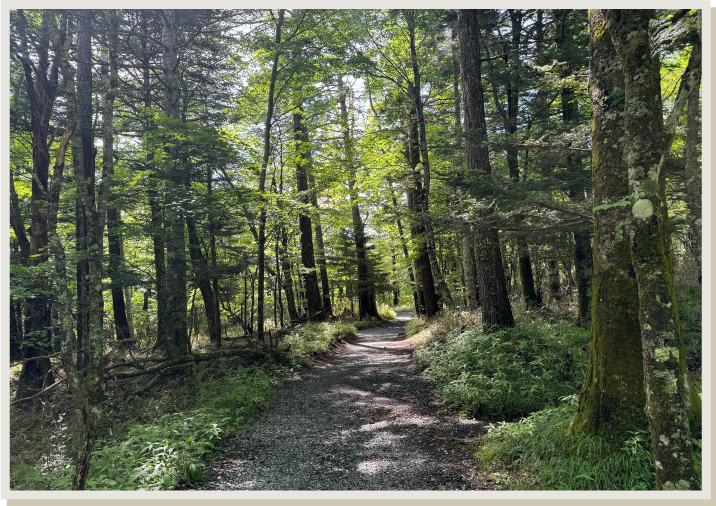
(506, 373)
(313, 338)
(386, 312)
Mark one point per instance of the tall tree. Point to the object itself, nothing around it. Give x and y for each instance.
(310, 278)
(612, 398)
(647, 138)
(496, 310)
(41, 86)
(366, 304)
(262, 181)
(693, 174)
(114, 238)
(177, 344)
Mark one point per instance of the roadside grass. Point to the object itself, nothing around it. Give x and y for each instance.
(535, 371)
(160, 440)
(502, 374)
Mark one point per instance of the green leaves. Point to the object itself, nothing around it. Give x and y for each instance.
(621, 203)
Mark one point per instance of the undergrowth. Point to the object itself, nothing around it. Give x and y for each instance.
(540, 454)
(506, 373)
(168, 433)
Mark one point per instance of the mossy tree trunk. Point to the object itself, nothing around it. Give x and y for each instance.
(612, 399)
(647, 139)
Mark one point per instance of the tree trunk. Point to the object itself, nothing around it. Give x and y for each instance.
(262, 180)
(646, 141)
(41, 91)
(404, 246)
(421, 143)
(470, 268)
(215, 280)
(582, 238)
(202, 279)
(321, 255)
(496, 310)
(693, 174)
(366, 307)
(178, 343)
(121, 324)
(310, 278)
(553, 280)
(612, 399)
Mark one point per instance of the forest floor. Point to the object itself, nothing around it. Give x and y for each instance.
(362, 418)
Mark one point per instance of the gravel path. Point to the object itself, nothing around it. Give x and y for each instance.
(360, 419)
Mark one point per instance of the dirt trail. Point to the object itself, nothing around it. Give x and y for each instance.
(362, 419)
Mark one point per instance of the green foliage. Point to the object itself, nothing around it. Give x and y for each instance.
(312, 338)
(540, 447)
(510, 372)
(171, 451)
(386, 312)
(416, 325)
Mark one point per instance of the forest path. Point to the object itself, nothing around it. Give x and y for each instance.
(361, 419)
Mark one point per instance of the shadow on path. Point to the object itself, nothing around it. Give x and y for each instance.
(364, 420)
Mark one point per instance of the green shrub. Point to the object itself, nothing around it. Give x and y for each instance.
(312, 338)
(510, 372)
(416, 326)
(386, 312)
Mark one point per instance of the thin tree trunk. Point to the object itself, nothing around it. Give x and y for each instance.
(321, 254)
(202, 279)
(693, 174)
(404, 246)
(215, 279)
(121, 324)
(262, 180)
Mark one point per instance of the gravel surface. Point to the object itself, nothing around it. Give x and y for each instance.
(362, 418)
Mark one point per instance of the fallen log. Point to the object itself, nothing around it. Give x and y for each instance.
(188, 359)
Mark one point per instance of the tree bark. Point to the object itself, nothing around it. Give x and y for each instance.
(121, 324)
(310, 278)
(646, 141)
(366, 306)
(612, 399)
(178, 343)
(41, 90)
(496, 310)
(202, 279)
(443, 291)
(321, 255)
(693, 174)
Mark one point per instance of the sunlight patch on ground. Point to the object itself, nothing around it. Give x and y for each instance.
(374, 466)
(382, 438)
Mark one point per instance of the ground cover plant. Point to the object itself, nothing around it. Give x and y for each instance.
(168, 448)
(507, 373)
